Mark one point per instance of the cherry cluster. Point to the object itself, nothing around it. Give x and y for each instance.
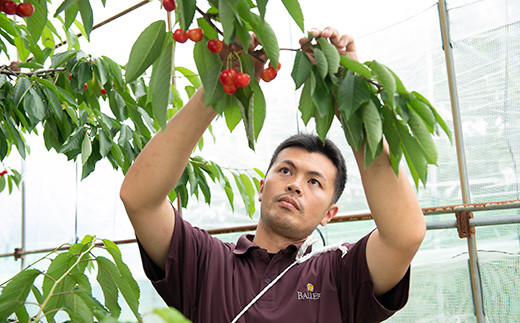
(231, 80)
(23, 9)
(194, 35)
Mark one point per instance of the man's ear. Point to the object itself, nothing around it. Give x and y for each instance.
(261, 190)
(331, 212)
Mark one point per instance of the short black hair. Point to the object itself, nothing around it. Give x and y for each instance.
(314, 144)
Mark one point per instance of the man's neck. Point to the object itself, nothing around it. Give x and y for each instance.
(270, 241)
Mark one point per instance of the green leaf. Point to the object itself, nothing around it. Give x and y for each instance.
(355, 66)
(107, 277)
(84, 74)
(190, 75)
(294, 9)
(386, 79)
(116, 104)
(36, 22)
(34, 106)
(186, 11)
(346, 95)
(425, 112)
(371, 155)
(373, 126)
(70, 16)
(126, 284)
(208, 30)
(323, 123)
(247, 123)
(322, 97)
(16, 291)
(331, 53)
(257, 109)
(64, 5)
(423, 138)
(321, 63)
(306, 105)
(145, 50)
(105, 143)
(266, 37)
(232, 112)
(99, 312)
(22, 315)
(86, 149)
(353, 129)
(86, 16)
(301, 68)
(160, 84)
(261, 5)
(170, 314)
(243, 193)
(227, 15)
(392, 137)
(439, 119)
(101, 71)
(413, 153)
(118, 155)
(209, 66)
(56, 269)
(20, 89)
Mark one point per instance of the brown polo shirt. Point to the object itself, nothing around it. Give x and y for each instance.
(212, 281)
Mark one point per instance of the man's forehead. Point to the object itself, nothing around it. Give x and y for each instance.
(312, 161)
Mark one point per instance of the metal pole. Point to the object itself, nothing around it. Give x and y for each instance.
(461, 158)
(23, 228)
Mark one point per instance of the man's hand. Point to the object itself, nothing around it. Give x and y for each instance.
(344, 43)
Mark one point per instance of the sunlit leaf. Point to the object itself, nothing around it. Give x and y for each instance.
(145, 50)
(294, 9)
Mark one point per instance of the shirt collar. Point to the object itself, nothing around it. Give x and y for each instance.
(245, 242)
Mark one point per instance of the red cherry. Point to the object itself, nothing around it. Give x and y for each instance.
(230, 88)
(195, 34)
(180, 36)
(277, 66)
(2, 173)
(86, 86)
(268, 74)
(227, 77)
(169, 5)
(215, 45)
(242, 80)
(9, 7)
(24, 9)
(70, 77)
(103, 91)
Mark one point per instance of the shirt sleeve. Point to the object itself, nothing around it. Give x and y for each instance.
(179, 283)
(358, 301)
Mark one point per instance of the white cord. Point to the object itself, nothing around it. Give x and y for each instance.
(298, 260)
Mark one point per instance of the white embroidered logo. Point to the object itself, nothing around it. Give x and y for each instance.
(309, 294)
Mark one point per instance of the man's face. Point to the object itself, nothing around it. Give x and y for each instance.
(297, 192)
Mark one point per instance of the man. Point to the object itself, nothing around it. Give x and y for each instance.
(267, 277)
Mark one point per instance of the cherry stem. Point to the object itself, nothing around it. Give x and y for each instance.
(208, 16)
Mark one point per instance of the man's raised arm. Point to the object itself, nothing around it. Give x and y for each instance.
(392, 201)
(399, 220)
(155, 172)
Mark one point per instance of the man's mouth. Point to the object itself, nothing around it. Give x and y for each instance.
(289, 202)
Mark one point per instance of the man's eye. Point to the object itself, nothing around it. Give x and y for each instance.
(285, 170)
(314, 182)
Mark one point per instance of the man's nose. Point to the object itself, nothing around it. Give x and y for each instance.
(294, 188)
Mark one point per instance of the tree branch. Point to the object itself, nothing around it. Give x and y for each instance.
(13, 71)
